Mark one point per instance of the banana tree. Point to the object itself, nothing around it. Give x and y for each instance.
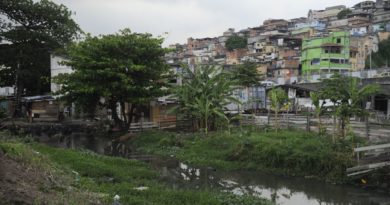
(278, 99)
(204, 95)
(347, 95)
(319, 109)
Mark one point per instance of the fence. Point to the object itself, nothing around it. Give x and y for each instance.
(172, 124)
(375, 129)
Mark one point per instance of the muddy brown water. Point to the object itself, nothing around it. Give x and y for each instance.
(282, 190)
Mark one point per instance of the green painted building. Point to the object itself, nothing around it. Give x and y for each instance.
(327, 53)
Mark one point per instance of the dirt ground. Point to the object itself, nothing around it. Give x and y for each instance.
(24, 184)
(20, 184)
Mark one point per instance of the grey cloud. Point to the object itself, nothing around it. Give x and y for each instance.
(186, 18)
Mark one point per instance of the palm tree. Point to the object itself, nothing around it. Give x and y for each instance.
(347, 96)
(353, 107)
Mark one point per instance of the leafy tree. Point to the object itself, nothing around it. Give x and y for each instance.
(32, 30)
(246, 74)
(330, 91)
(344, 13)
(381, 57)
(236, 42)
(278, 99)
(120, 68)
(204, 95)
(347, 96)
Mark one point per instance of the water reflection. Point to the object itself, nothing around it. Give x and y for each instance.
(282, 190)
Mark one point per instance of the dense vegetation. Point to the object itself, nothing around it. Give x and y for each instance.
(380, 58)
(31, 31)
(246, 74)
(103, 177)
(120, 68)
(279, 99)
(347, 96)
(286, 152)
(204, 95)
(236, 42)
(344, 13)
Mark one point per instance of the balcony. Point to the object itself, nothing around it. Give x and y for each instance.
(329, 65)
(333, 55)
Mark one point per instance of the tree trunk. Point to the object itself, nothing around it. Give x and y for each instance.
(276, 119)
(206, 125)
(130, 115)
(206, 117)
(19, 89)
(123, 113)
(334, 124)
(319, 124)
(18, 95)
(342, 128)
(18, 100)
(114, 115)
(268, 116)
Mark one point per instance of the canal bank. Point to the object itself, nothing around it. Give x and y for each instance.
(205, 164)
(40, 174)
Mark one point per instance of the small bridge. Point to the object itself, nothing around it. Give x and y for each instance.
(370, 158)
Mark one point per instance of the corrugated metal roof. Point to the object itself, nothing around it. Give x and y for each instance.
(37, 98)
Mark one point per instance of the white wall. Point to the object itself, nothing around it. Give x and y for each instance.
(6, 91)
(55, 69)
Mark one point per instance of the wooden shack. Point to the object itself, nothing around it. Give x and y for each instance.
(42, 108)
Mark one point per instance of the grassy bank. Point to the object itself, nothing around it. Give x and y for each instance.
(296, 153)
(93, 178)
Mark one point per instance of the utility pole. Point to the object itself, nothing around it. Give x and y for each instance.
(17, 91)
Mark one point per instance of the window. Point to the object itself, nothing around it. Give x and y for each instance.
(335, 60)
(173, 81)
(338, 40)
(315, 61)
(335, 50)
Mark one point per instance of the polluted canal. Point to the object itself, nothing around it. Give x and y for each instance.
(280, 189)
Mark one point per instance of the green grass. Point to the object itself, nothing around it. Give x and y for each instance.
(107, 176)
(290, 152)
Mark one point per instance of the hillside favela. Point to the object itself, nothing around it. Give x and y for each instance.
(144, 102)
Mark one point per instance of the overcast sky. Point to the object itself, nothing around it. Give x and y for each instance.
(186, 18)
